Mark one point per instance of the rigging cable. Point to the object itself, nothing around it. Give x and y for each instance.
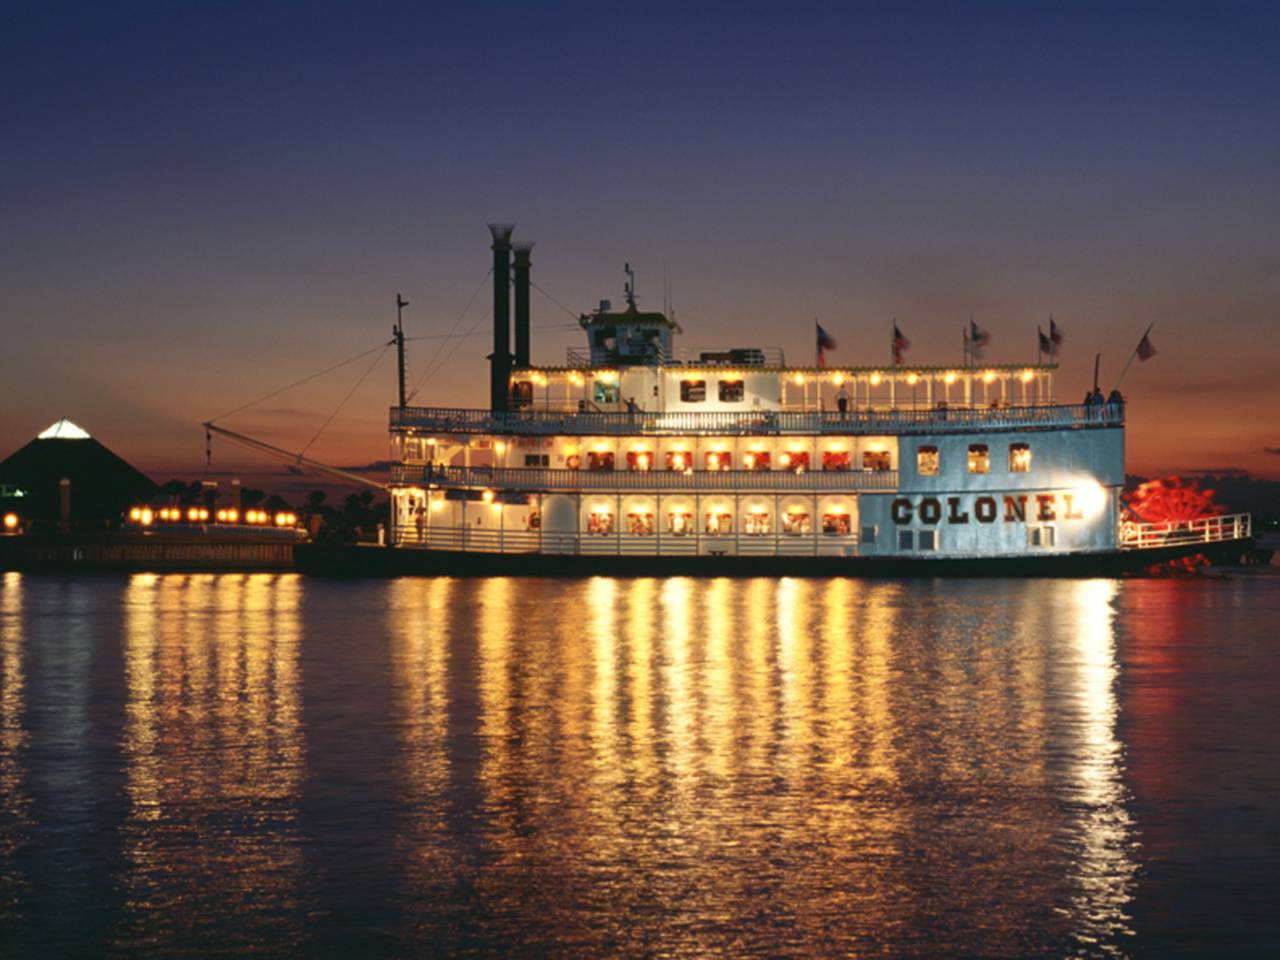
(576, 317)
(298, 383)
(426, 370)
(364, 376)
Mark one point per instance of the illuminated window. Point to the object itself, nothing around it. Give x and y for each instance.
(718, 460)
(796, 461)
(600, 522)
(693, 391)
(680, 524)
(639, 460)
(927, 460)
(835, 460)
(572, 462)
(836, 524)
(680, 460)
(979, 458)
(605, 392)
(600, 460)
(875, 459)
(755, 460)
(757, 524)
(731, 391)
(640, 524)
(719, 523)
(796, 523)
(1019, 458)
(928, 540)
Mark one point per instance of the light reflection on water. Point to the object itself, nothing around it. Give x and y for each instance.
(593, 767)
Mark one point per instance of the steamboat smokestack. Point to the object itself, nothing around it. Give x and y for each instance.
(523, 251)
(500, 362)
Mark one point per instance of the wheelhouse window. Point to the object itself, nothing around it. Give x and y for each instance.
(796, 461)
(600, 523)
(1019, 458)
(756, 523)
(979, 458)
(640, 524)
(836, 460)
(693, 391)
(639, 460)
(600, 460)
(718, 460)
(605, 392)
(796, 523)
(927, 460)
(836, 524)
(719, 523)
(680, 523)
(679, 460)
(875, 459)
(731, 391)
(756, 460)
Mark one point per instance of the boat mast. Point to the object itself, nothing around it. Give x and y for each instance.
(398, 333)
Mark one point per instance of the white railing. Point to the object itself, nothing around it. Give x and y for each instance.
(546, 478)
(1148, 536)
(755, 422)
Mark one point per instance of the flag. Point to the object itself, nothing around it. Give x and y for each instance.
(977, 336)
(1046, 345)
(1055, 335)
(1145, 349)
(900, 343)
(825, 342)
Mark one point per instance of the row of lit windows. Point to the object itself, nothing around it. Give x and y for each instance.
(928, 461)
(684, 460)
(720, 523)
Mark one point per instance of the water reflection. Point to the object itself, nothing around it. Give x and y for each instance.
(694, 767)
(214, 760)
(15, 798)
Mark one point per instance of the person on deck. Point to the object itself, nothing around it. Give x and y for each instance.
(842, 400)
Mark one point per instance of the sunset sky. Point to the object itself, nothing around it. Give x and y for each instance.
(199, 207)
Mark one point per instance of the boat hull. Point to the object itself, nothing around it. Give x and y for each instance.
(369, 561)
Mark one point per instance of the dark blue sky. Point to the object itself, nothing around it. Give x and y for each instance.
(199, 206)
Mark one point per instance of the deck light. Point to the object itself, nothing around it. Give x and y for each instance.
(798, 379)
(875, 379)
(10, 521)
(487, 496)
(988, 377)
(838, 379)
(950, 378)
(146, 517)
(1027, 375)
(499, 447)
(233, 515)
(437, 506)
(135, 514)
(1092, 497)
(912, 379)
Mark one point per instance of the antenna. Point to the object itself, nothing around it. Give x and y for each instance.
(630, 286)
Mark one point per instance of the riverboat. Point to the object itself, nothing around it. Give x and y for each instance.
(636, 455)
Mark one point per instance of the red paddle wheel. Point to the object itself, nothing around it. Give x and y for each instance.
(1172, 500)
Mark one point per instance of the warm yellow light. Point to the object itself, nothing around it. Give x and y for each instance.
(233, 515)
(221, 516)
(912, 379)
(146, 517)
(757, 509)
(875, 379)
(135, 514)
(10, 521)
(487, 496)
(1091, 497)
(437, 506)
(794, 509)
(607, 376)
(784, 459)
(796, 448)
(719, 508)
(949, 379)
(875, 446)
(496, 508)
(193, 514)
(599, 508)
(838, 379)
(718, 448)
(1027, 376)
(988, 377)
(575, 379)
(798, 379)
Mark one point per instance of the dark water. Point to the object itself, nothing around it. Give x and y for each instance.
(270, 765)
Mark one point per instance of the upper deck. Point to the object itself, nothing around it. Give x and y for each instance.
(756, 422)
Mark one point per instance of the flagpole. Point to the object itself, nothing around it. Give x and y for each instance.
(1128, 363)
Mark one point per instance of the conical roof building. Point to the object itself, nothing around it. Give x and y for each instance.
(102, 485)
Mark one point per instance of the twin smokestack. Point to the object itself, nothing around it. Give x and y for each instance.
(501, 361)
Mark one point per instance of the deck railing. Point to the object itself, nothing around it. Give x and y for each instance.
(756, 422)
(535, 478)
(1148, 536)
